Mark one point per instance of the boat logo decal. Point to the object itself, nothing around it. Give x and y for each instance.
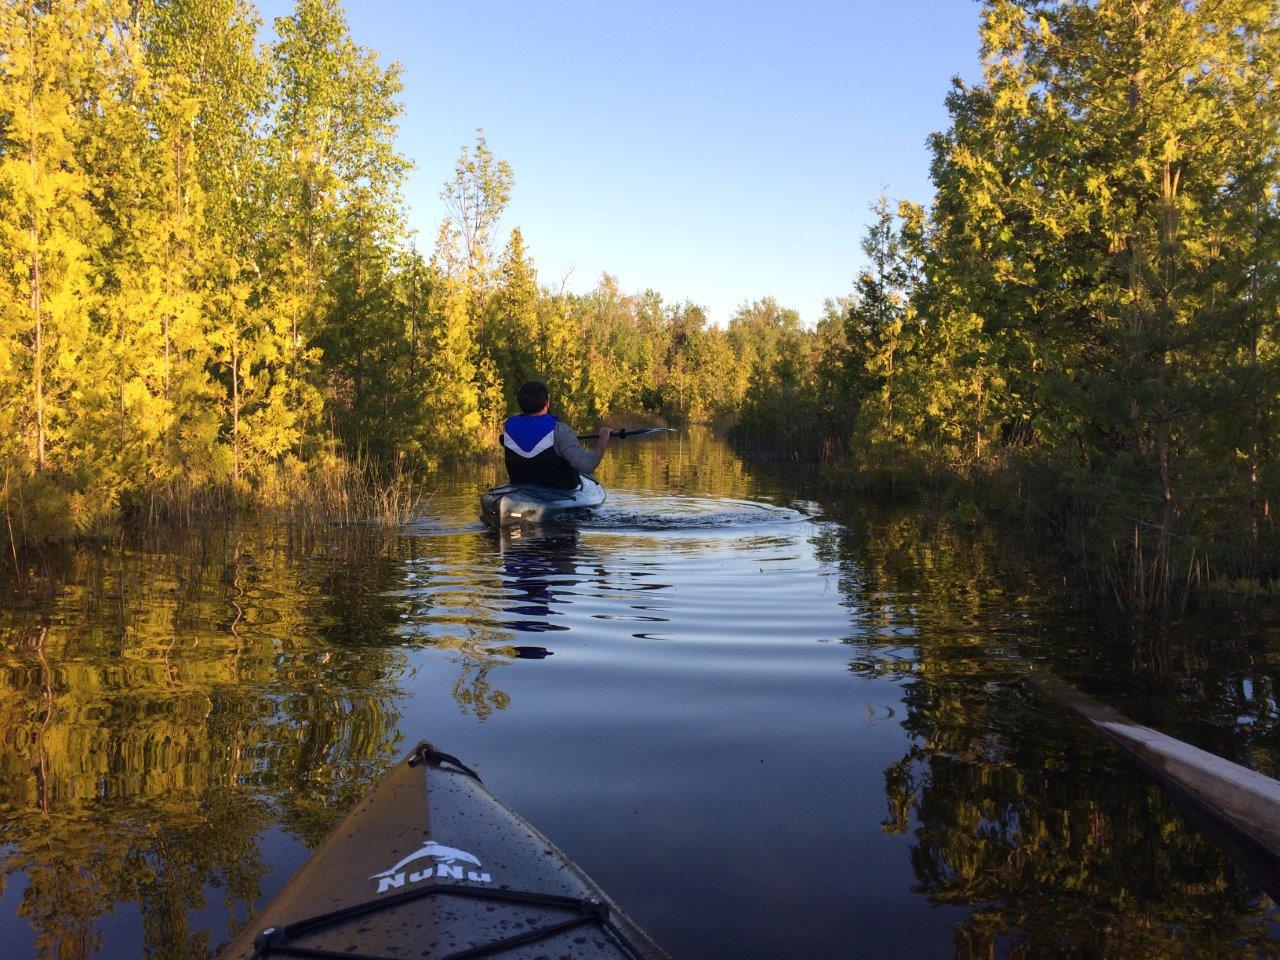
(449, 863)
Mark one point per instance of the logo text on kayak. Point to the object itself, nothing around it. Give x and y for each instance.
(450, 863)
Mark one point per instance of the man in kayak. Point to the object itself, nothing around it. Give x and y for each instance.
(541, 450)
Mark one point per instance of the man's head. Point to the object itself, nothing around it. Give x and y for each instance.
(532, 397)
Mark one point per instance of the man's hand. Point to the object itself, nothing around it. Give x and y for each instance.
(603, 440)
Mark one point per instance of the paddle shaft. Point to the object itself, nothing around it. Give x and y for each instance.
(623, 434)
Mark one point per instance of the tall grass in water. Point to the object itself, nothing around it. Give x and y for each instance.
(1107, 534)
(345, 492)
(326, 491)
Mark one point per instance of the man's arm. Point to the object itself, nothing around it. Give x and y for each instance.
(579, 457)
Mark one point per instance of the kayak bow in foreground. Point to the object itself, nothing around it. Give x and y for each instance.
(524, 503)
(432, 865)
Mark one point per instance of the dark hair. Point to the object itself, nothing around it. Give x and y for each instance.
(532, 396)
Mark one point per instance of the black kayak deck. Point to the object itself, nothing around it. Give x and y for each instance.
(432, 865)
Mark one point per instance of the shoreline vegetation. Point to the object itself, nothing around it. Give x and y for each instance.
(215, 302)
(1081, 330)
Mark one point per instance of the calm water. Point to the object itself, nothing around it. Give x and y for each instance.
(769, 726)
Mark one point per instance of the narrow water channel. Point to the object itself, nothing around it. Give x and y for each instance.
(768, 725)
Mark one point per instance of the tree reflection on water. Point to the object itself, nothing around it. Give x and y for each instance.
(168, 708)
(162, 710)
(1015, 810)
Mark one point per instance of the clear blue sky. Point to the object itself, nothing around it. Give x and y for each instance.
(714, 151)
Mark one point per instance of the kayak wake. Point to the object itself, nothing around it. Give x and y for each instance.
(640, 512)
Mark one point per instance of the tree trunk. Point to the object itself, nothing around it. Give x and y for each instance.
(235, 411)
(120, 392)
(357, 398)
(1258, 506)
(886, 393)
(1170, 181)
(37, 306)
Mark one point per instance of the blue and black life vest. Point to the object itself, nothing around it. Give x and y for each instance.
(529, 446)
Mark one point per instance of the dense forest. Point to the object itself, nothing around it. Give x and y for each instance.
(212, 284)
(1084, 320)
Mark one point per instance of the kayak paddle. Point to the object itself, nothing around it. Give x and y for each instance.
(623, 434)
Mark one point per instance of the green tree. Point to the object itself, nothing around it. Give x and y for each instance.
(510, 333)
(561, 357)
(881, 321)
(466, 379)
(451, 378)
(474, 199)
(49, 80)
(211, 96)
(335, 178)
(1106, 171)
